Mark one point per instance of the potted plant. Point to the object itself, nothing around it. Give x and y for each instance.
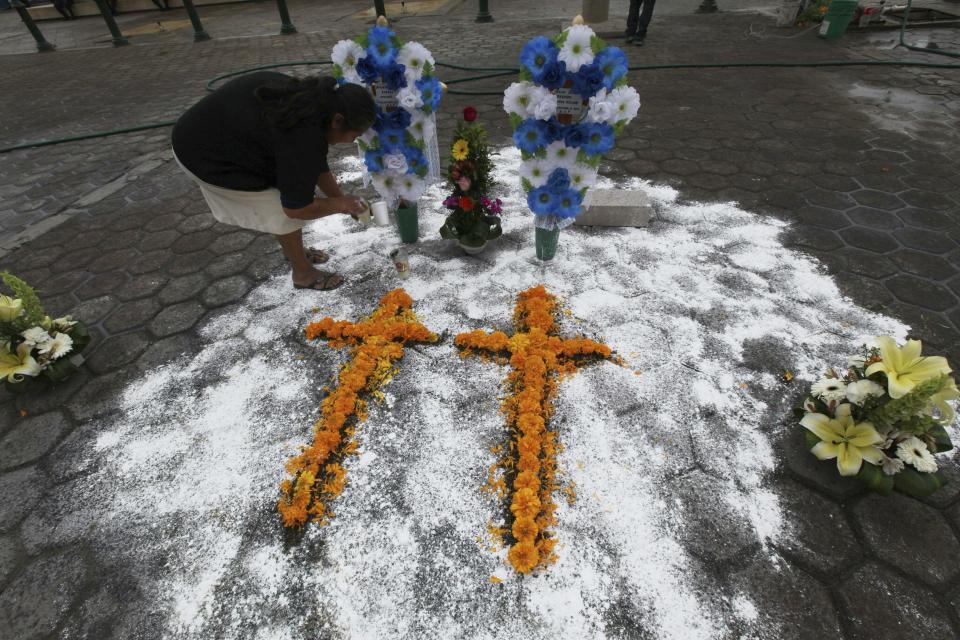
(474, 219)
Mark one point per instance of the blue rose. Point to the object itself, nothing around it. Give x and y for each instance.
(397, 119)
(588, 80)
(373, 158)
(568, 203)
(599, 138)
(613, 64)
(554, 129)
(537, 54)
(393, 76)
(559, 180)
(575, 135)
(380, 46)
(367, 69)
(430, 91)
(542, 201)
(553, 75)
(531, 135)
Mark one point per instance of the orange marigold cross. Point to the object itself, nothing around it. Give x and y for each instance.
(538, 358)
(317, 475)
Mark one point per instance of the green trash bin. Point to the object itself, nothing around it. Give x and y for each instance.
(407, 223)
(838, 17)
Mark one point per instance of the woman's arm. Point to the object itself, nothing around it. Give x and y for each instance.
(323, 207)
(328, 185)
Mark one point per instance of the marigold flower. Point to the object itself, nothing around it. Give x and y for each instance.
(526, 480)
(524, 557)
(525, 503)
(529, 445)
(524, 528)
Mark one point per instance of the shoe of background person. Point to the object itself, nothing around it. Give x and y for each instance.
(631, 38)
(638, 41)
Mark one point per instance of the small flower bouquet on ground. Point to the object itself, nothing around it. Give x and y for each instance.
(31, 343)
(474, 219)
(883, 419)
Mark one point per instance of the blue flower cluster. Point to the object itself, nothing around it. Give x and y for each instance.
(556, 197)
(533, 136)
(539, 58)
(381, 62)
(392, 130)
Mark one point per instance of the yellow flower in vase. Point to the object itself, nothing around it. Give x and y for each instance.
(840, 438)
(461, 148)
(941, 400)
(14, 366)
(904, 367)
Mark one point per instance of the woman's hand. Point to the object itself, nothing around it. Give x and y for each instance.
(350, 205)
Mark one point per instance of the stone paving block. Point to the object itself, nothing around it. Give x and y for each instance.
(803, 235)
(9, 557)
(924, 240)
(712, 531)
(226, 291)
(115, 260)
(118, 351)
(139, 287)
(869, 239)
(787, 599)
(818, 217)
(820, 536)
(122, 241)
(925, 218)
(229, 264)
(877, 199)
(33, 604)
(829, 199)
(131, 315)
(927, 200)
(78, 259)
(98, 395)
(181, 265)
(195, 241)
(881, 604)
(875, 218)
(21, 490)
(101, 285)
(931, 327)
(911, 536)
(869, 264)
(31, 438)
(61, 283)
(923, 264)
(231, 242)
(921, 292)
(266, 266)
(93, 310)
(176, 318)
(164, 351)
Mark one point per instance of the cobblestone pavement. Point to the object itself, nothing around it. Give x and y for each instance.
(863, 161)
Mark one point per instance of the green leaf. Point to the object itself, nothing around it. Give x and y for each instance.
(396, 42)
(59, 370)
(525, 184)
(810, 439)
(337, 71)
(901, 412)
(622, 82)
(941, 438)
(495, 230)
(597, 45)
(422, 171)
(80, 336)
(427, 68)
(515, 120)
(362, 146)
(525, 155)
(619, 127)
(874, 478)
(561, 39)
(33, 313)
(525, 74)
(583, 193)
(363, 41)
(917, 484)
(447, 232)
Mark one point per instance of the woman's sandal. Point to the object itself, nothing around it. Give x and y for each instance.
(324, 281)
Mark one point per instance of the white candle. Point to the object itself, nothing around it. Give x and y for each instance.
(379, 209)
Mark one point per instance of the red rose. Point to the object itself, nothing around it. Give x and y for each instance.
(469, 114)
(466, 203)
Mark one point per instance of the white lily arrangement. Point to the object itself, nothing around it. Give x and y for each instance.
(884, 419)
(33, 344)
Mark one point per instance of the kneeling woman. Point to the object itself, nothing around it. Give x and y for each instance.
(257, 147)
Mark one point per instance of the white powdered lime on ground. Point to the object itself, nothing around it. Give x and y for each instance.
(187, 472)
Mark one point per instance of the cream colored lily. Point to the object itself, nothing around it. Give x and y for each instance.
(840, 438)
(905, 367)
(13, 366)
(941, 400)
(10, 308)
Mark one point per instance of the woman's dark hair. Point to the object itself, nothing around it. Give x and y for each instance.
(316, 100)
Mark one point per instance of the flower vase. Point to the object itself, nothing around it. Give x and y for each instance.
(546, 241)
(472, 249)
(407, 222)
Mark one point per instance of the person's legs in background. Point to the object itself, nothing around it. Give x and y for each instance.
(633, 20)
(644, 22)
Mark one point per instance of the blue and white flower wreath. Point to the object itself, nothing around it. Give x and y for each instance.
(400, 150)
(561, 146)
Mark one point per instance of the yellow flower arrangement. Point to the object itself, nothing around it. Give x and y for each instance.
(376, 345)
(461, 149)
(538, 358)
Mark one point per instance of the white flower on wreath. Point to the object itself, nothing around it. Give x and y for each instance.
(410, 187)
(560, 156)
(413, 56)
(626, 100)
(421, 125)
(856, 361)
(543, 105)
(914, 451)
(828, 389)
(35, 336)
(576, 49)
(859, 391)
(64, 323)
(59, 345)
(410, 99)
(519, 97)
(582, 176)
(386, 185)
(395, 163)
(368, 136)
(346, 54)
(891, 466)
(535, 171)
(602, 109)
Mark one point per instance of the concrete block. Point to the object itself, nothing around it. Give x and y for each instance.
(616, 208)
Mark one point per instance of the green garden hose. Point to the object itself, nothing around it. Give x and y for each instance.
(498, 72)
